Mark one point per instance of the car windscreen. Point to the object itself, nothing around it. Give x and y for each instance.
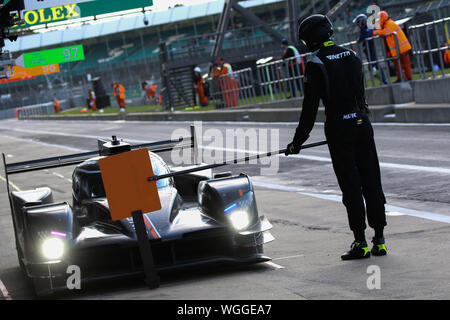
(92, 183)
(159, 168)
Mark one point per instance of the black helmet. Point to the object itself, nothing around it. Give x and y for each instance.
(314, 30)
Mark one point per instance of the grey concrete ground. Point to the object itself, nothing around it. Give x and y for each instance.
(301, 199)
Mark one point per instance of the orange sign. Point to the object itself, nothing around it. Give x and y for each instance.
(19, 72)
(125, 178)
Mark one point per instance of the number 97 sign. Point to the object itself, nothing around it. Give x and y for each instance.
(51, 56)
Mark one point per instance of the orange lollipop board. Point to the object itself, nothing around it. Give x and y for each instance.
(125, 178)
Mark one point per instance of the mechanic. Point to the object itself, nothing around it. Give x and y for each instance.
(389, 27)
(119, 94)
(369, 45)
(334, 74)
(295, 66)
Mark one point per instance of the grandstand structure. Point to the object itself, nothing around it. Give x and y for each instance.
(128, 48)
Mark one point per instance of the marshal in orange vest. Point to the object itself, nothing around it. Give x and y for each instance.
(389, 27)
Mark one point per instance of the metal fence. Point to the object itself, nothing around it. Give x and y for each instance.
(282, 79)
(278, 80)
(44, 108)
(267, 82)
(375, 59)
(430, 41)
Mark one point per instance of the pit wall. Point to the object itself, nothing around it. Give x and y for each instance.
(422, 101)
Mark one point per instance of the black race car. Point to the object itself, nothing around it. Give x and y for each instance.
(204, 219)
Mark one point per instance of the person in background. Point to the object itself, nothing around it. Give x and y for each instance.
(229, 85)
(57, 105)
(368, 46)
(295, 66)
(217, 94)
(446, 56)
(200, 87)
(92, 101)
(119, 94)
(289, 52)
(150, 91)
(389, 29)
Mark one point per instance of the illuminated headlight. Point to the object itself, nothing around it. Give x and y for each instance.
(239, 219)
(53, 248)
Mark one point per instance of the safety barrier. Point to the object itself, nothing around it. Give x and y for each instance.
(282, 79)
(276, 80)
(34, 110)
(375, 59)
(430, 41)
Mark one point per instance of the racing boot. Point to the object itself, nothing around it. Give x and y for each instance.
(359, 250)
(379, 248)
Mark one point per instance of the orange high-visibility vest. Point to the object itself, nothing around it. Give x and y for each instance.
(390, 27)
(447, 56)
(92, 100)
(121, 92)
(57, 105)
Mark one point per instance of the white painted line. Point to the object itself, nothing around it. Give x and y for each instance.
(44, 144)
(275, 186)
(390, 208)
(394, 214)
(327, 159)
(383, 164)
(273, 265)
(395, 210)
(4, 291)
(306, 157)
(289, 257)
(419, 214)
(414, 167)
(76, 135)
(290, 123)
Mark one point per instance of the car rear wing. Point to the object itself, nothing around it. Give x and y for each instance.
(77, 158)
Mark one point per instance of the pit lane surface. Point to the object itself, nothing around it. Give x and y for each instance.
(300, 198)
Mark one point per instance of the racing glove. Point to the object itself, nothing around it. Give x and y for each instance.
(292, 149)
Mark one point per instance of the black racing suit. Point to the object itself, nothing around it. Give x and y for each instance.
(334, 74)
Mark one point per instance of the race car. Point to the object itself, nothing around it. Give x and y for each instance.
(204, 219)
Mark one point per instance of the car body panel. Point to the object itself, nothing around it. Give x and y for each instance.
(192, 228)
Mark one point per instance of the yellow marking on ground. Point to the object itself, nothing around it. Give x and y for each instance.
(11, 184)
(58, 175)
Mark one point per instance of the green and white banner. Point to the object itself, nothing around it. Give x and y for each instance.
(61, 10)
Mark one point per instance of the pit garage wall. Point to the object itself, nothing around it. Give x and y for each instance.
(428, 91)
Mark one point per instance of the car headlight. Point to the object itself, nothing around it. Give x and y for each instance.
(239, 219)
(53, 248)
